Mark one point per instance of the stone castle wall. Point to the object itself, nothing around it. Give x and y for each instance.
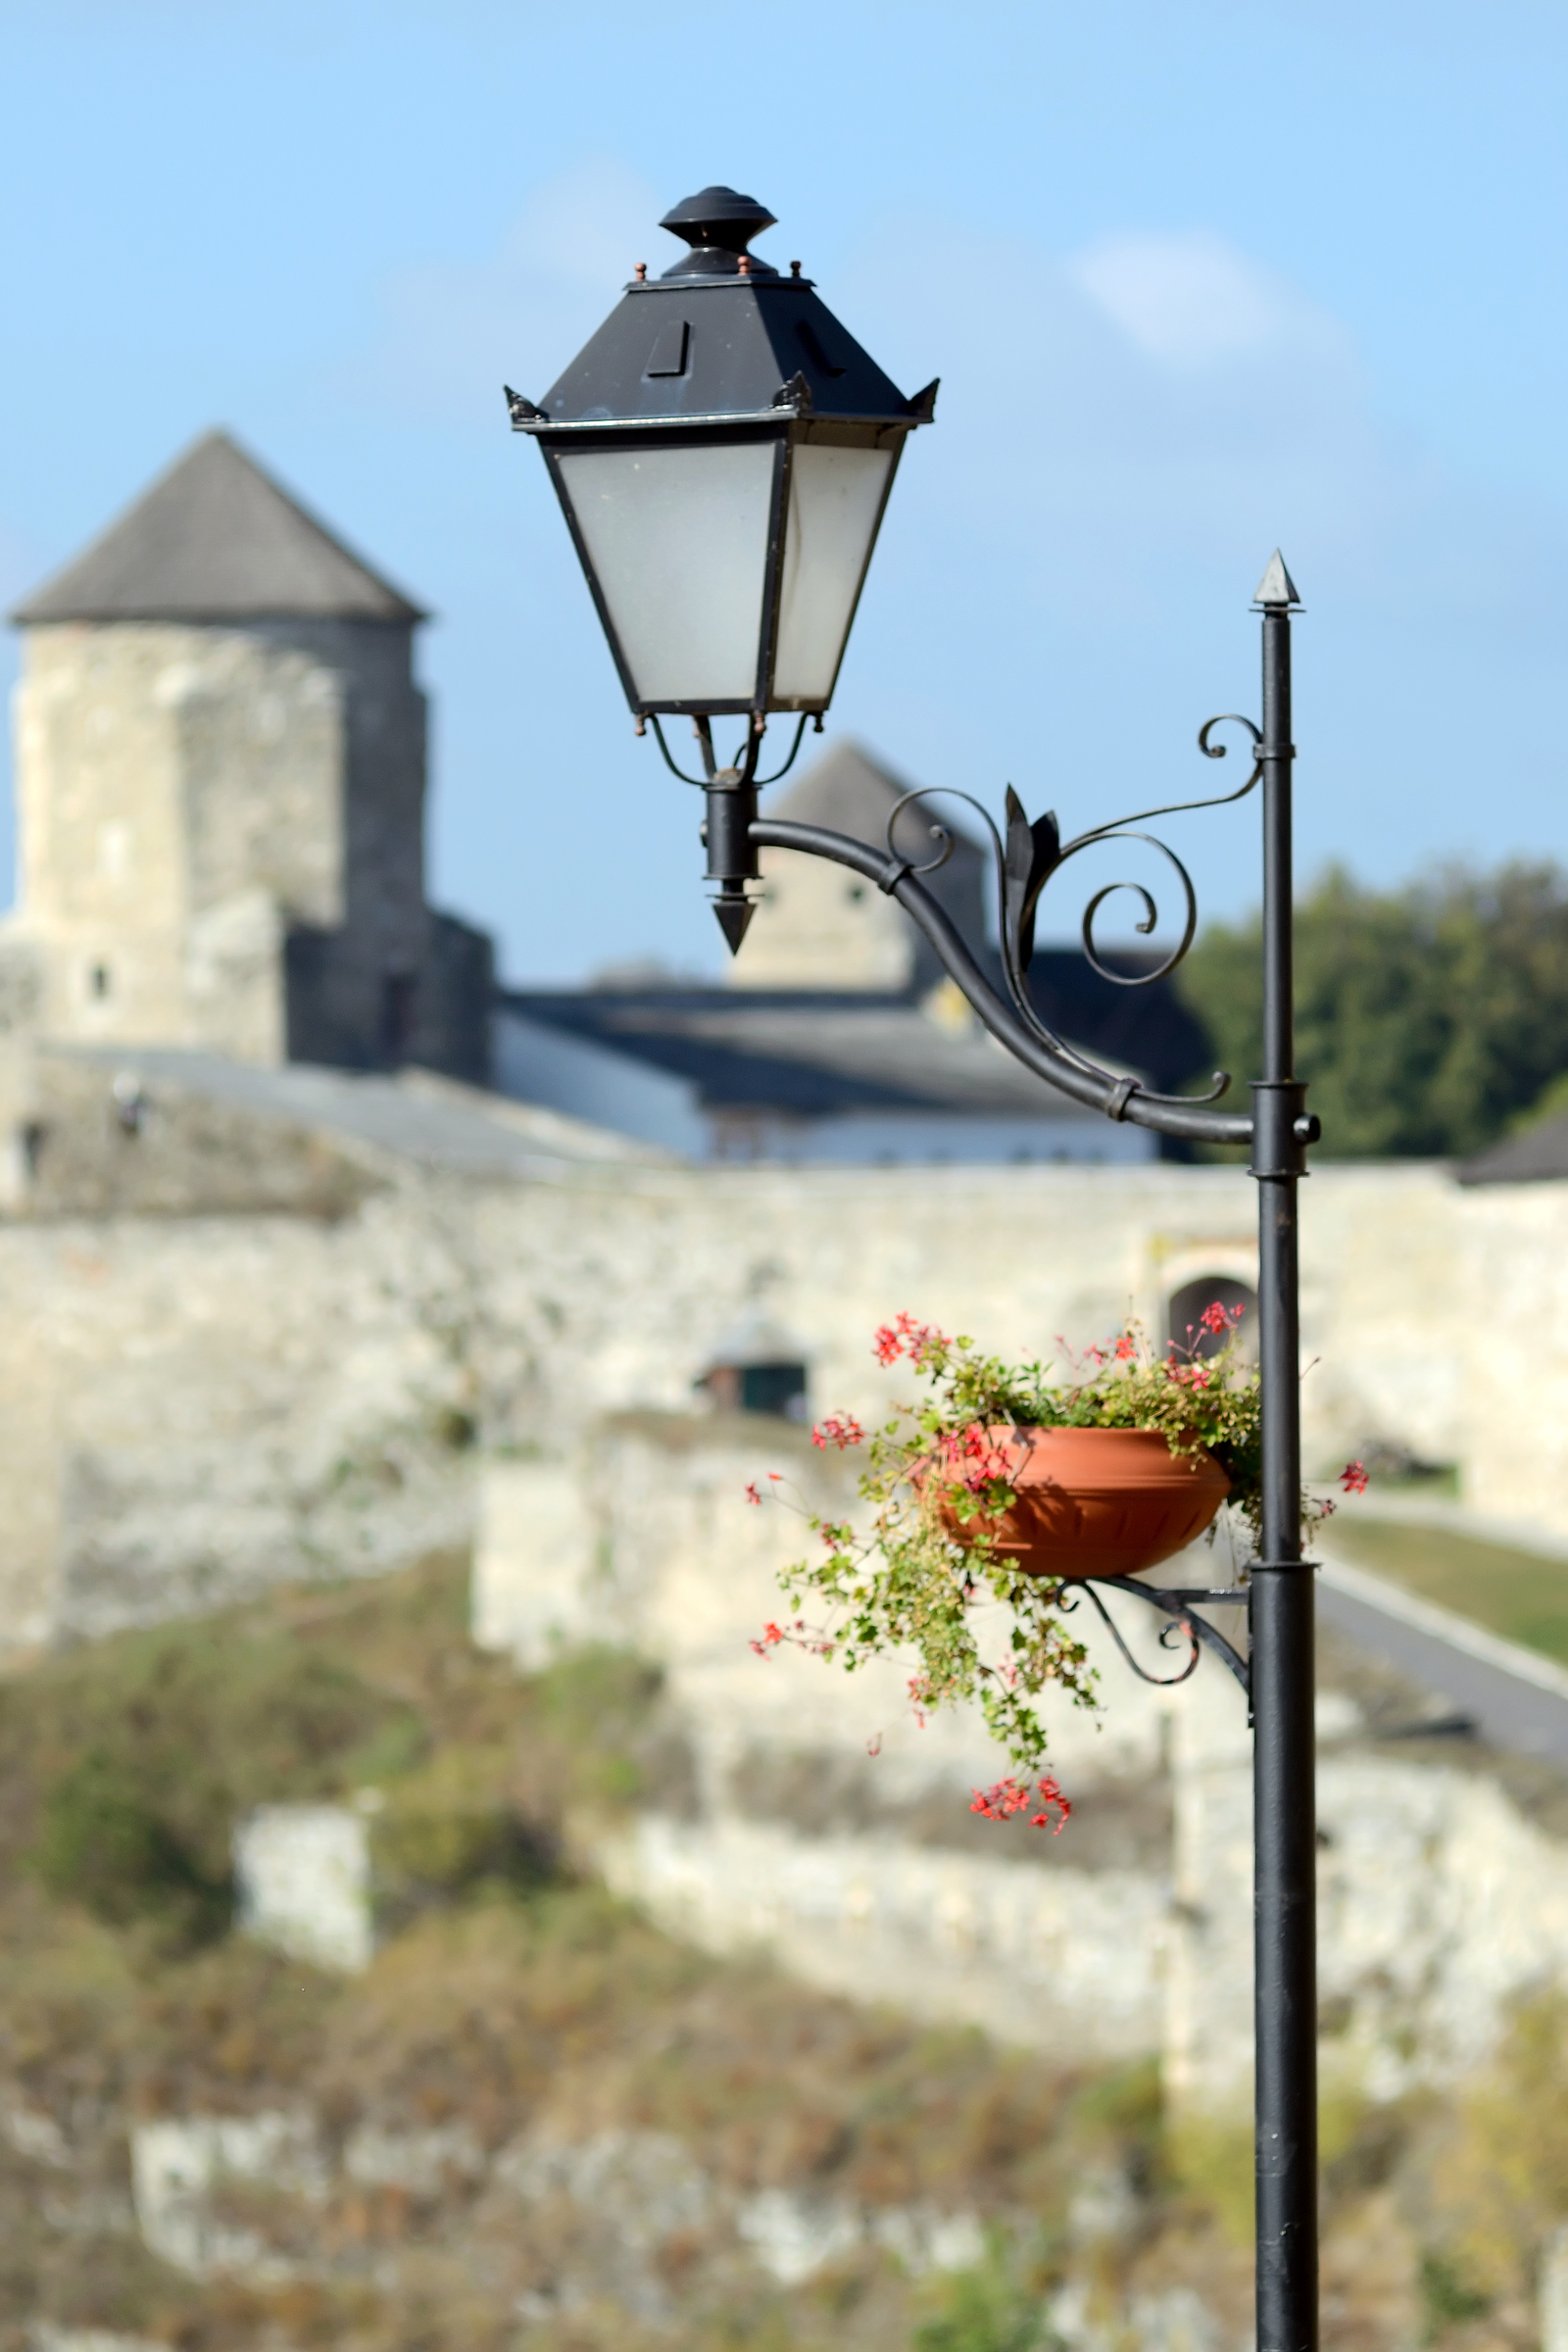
(339, 969)
(195, 1405)
(191, 1403)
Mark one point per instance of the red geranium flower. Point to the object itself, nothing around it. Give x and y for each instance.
(839, 1430)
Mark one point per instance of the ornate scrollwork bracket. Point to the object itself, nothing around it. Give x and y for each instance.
(1180, 1606)
(1025, 862)
(1033, 853)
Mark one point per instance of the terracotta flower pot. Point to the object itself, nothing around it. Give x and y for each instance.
(1097, 1502)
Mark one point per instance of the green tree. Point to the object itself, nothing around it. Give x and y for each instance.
(1429, 1019)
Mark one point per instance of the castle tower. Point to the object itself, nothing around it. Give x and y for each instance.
(220, 772)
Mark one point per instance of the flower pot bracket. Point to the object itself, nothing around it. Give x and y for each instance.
(1180, 1604)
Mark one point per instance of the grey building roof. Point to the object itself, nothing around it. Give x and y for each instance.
(419, 1116)
(215, 539)
(1533, 1157)
(802, 1053)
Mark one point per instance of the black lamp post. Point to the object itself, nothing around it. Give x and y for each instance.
(724, 451)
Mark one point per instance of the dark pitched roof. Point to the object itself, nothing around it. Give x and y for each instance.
(1148, 1028)
(805, 1054)
(1536, 1156)
(215, 539)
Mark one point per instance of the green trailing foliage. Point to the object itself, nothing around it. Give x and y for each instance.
(1429, 1019)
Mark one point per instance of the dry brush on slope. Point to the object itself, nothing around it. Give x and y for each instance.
(536, 2121)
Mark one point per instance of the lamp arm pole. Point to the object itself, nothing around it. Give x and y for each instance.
(1279, 1128)
(1283, 1764)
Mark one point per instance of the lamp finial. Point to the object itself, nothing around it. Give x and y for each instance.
(1276, 587)
(718, 223)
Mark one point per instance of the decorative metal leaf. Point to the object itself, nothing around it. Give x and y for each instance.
(1033, 854)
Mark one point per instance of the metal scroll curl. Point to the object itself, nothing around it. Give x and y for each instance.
(1179, 1607)
(1045, 853)
(1150, 911)
(1033, 851)
(941, 834)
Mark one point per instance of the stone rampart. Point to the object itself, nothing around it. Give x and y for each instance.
(193, 1404)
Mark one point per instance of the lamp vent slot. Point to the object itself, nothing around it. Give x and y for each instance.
(671, 349)
(811, 345)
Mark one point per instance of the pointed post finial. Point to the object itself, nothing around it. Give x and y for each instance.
(734, 919)
(1276, 587)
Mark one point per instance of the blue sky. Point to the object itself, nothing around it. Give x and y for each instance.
(1197, 278)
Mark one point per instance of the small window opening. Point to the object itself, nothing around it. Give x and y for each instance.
(399, 1009)
(775, 1389)
(98, 980)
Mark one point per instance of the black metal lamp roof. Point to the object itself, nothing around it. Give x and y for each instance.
(721, 337)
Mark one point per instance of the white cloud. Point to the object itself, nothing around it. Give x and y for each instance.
(457, 328)
(1194, 300)
(1108, 417)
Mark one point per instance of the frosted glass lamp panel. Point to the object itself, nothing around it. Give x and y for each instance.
(835, 499)
(677, 539)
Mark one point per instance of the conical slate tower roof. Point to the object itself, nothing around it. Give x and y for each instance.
(215, 539)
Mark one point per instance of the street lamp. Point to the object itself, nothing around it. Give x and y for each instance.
(723, 452)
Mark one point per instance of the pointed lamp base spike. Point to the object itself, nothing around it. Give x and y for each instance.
(1276, 587)
(734, 917)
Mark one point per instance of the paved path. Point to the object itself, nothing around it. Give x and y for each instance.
(1516, 1699)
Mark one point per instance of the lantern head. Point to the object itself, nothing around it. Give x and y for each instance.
(724, 451)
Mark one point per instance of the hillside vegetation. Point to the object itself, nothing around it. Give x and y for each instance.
(511, 1997)
(586, 2117)
(1521, 1594)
